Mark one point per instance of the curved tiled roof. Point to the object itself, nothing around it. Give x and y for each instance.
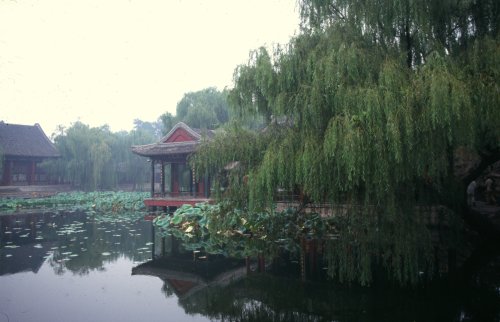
(164, 148)
(158, 149)
(26, 141)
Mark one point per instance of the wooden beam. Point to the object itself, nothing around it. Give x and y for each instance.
(152, 177)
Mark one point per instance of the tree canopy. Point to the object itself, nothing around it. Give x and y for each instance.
(96, 158)
(206, 108)
(366, 106)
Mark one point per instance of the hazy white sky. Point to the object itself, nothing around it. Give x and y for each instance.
(112, 61)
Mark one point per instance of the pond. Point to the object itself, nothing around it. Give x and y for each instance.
(75, 267)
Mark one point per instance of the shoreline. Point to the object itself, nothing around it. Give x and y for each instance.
(33, 191)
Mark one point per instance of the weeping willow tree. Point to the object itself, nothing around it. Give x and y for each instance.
(365, 107)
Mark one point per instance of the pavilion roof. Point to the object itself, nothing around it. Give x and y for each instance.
(168, 146)
(25, 141)
(163, 149)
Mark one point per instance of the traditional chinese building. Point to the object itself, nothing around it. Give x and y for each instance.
(23, 148)
(173, 181)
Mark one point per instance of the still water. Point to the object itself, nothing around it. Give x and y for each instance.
(78, 267)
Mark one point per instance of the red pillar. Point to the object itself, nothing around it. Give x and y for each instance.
(152, 178)
(200, 188)
(32, 173)
(174, 175)
(7, 173)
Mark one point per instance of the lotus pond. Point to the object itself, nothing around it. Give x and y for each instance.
(67, 263)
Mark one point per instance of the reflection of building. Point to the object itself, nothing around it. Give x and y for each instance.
(20, 251)
(23, 148)
(185, 276)
(173, 182)
(186, 272)
(25, 258)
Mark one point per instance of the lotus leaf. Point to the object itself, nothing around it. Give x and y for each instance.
(177, 219)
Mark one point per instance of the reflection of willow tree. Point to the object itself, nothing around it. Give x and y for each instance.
(268, 298)
(366, 107)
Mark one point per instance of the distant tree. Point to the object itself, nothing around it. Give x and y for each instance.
(96, 158)
(207, 108)
(168, 121)
(137, 170)
(86, 156)
(153, 128)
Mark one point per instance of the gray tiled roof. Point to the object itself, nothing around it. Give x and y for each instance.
(173, 148)
(25, 141)
(158, 149)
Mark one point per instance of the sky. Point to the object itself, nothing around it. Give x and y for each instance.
(113, 61)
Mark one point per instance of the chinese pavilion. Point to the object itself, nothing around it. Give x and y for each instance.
(23, 148)
(173, 181)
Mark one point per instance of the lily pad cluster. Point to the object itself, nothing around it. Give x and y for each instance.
(72, 242)
(91, 202)
(222, 229)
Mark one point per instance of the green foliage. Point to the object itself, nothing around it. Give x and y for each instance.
(206, 109)
(227, 160)
(224, 229)
(257, 83)
(168, 121)
(366, 108)
(360, 242)
(96, 158)
(90, 202)
(412, 28)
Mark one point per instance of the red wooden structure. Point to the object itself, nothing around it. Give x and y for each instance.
(173, 182)
(23, 148)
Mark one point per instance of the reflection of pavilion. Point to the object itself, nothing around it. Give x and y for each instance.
(185, 276)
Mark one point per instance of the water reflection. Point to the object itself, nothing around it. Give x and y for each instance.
(266, 297)
(84, 265)
(231, 290)
(184, 277)
(71, 242)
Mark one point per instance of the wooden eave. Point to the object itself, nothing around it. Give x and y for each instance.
(165, 149)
